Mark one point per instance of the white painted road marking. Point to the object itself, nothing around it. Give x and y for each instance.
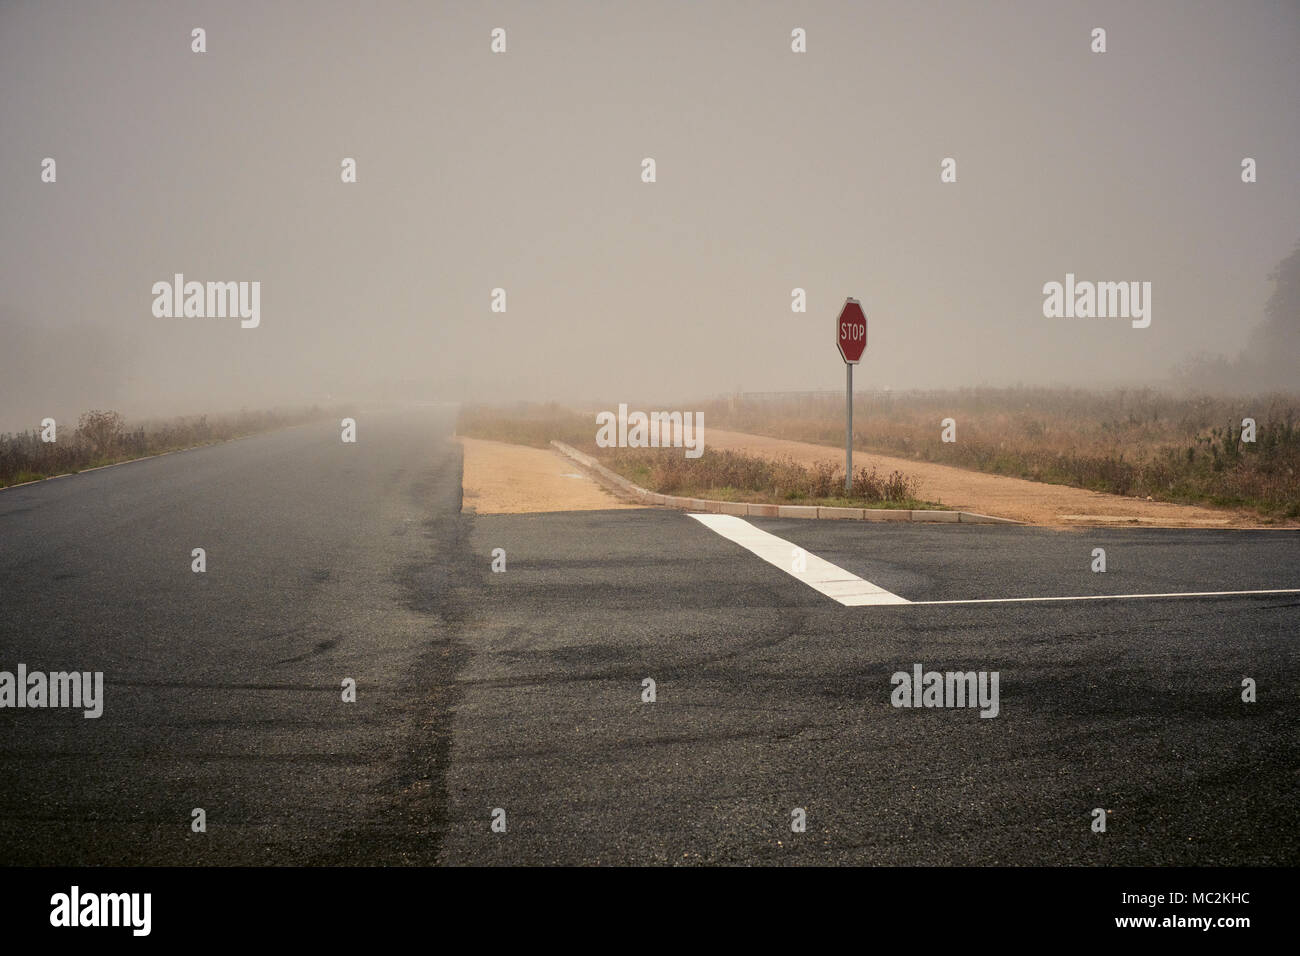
(820, 575)
(1112, 597)
(853, 591)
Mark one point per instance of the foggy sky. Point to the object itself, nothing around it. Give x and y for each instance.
(522, 170)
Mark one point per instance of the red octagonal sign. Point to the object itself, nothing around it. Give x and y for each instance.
(851, 331)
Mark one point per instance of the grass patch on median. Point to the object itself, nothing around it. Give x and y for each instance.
(527, 423)
(733, 476)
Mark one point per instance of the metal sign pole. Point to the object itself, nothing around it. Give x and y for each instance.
(848, 429)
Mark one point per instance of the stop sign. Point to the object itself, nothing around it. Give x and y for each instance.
(851, 331)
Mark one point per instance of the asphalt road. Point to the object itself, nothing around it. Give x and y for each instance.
(523, 690)
(325, 561)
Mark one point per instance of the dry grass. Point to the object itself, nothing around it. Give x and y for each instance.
(1127, 442)
(103, 438)
(529, 424)
(730, 475)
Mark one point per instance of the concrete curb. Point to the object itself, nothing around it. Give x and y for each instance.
(621, 485)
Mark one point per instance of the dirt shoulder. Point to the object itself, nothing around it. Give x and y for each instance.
(1029, 501)
(507, 479)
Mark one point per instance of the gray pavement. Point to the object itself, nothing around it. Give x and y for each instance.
(523, 690)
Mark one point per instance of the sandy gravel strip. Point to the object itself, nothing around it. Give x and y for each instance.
(504, 479)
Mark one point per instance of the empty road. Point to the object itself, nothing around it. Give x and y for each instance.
(522, 691)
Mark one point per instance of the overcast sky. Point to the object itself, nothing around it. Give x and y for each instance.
(523, 170)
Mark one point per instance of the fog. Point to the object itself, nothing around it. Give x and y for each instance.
(522, 171)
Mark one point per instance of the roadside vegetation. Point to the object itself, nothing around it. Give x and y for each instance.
(104, 438)
(528, 423)
(732, 476)
(1141, 443)
(720, 475)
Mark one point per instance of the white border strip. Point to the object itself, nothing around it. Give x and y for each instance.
(819, 574)
(852, 591)
(1112, 597)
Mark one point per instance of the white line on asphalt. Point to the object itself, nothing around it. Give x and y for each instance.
(1112, 597)
(853, 591)
(818, 574)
